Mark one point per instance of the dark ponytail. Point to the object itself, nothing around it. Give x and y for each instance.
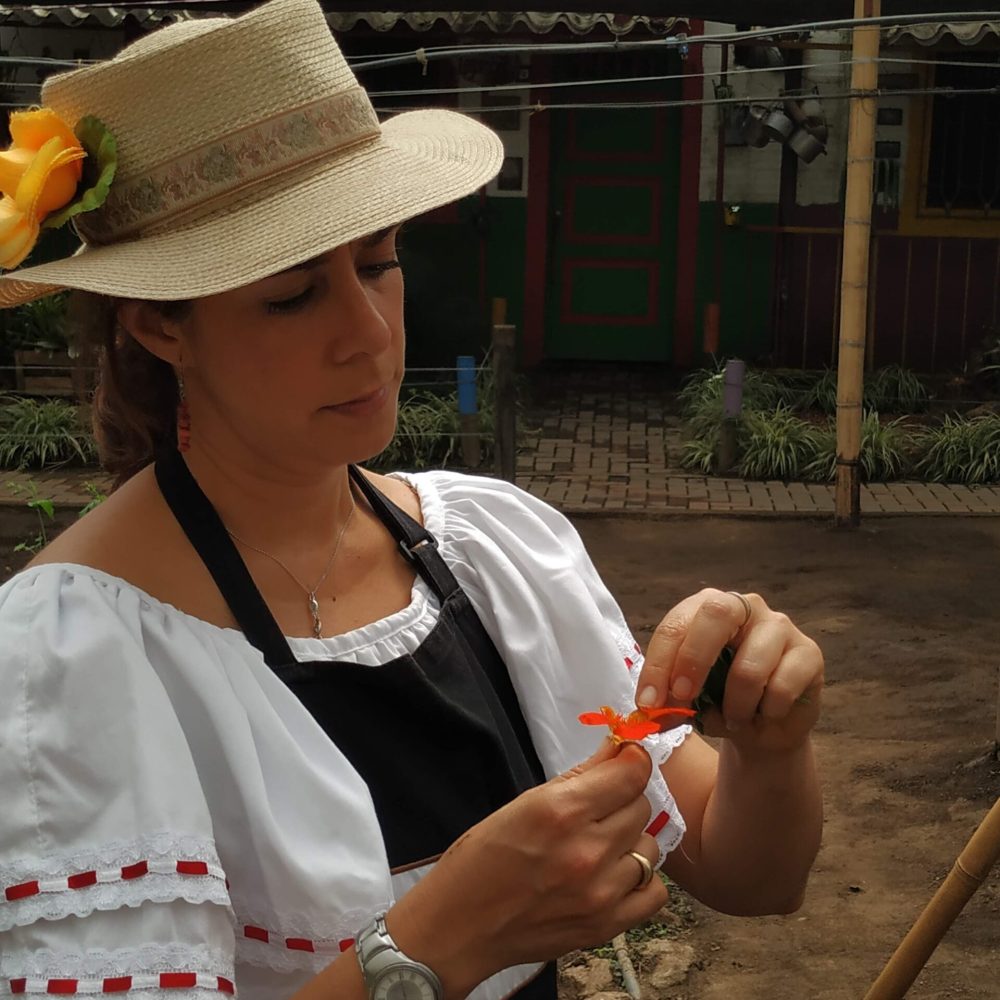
(134, 411)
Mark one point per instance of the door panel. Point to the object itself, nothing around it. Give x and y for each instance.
(612, 234)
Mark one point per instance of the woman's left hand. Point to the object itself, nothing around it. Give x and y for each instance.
(772, 696)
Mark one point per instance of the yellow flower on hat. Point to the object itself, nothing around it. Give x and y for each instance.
(39, 173)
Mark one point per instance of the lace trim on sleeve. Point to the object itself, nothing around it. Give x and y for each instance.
(98, 963)
(181, 985)
(157, 869)
(291, 942)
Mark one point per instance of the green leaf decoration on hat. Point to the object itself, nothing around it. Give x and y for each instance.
(98, 171)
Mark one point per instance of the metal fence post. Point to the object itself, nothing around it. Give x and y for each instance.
(732, 407)
(505, 404)
(468, 410)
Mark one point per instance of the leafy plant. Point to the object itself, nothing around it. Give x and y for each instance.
(698, 453)
(45, 510)
(984, 364)
(427, 428)
(892, 389)
(886, 451)
(97, 497)
(777, 444)
(895, 389)
(36, 433)
(38, 325)
(822, 394)
(702, 396)
(961, 451)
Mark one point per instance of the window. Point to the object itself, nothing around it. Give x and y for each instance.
(962, 140)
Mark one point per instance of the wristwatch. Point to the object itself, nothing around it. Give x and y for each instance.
(389, 974)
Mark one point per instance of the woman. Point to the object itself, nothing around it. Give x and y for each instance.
(279, 726)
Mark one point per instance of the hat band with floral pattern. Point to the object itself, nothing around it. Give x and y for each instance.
(206, 177)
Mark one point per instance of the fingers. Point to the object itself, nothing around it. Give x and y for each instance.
(603, 784)
(753, 673)
(607, 750)
(630, 872)
(795, 683)
(639, 898)
(622, 828)
(686, 643)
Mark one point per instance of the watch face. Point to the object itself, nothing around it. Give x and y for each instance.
(404, 984)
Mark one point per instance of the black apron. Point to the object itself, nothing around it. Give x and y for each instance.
(450, 745)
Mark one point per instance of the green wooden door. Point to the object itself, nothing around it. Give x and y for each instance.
(612, 235)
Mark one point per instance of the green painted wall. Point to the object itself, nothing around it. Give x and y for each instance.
(443, 314)
(747, 280)
(446, 314)
(506, 239)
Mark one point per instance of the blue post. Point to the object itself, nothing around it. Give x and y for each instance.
(468, 409)
(466, 367)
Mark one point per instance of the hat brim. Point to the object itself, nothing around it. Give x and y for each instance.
(422, 160)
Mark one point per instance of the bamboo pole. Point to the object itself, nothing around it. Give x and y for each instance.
(854, 271)
(968, 873)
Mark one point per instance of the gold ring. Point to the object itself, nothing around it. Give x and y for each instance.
(647, 870)
(746, 607)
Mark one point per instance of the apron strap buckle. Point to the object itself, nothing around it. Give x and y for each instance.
(410, 551)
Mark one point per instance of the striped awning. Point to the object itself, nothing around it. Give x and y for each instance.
(966, 32)
(460, 22)
(74, 17)
(505, 22)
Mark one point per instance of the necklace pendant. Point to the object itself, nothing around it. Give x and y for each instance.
(314, 610)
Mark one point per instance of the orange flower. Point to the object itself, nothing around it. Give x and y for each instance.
(39, 174)
(634, 726)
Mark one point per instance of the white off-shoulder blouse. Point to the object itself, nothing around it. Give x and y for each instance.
(175, 824)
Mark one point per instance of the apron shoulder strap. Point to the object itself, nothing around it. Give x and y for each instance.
(206, 532)
(416, 543)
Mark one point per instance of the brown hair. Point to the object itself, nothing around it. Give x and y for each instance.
(134, 412)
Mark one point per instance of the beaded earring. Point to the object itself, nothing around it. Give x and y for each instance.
(183, 418)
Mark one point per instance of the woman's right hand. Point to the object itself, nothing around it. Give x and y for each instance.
(547, 873)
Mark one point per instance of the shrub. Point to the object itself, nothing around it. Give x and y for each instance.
(891, 389)
(38, 325)
(36, 433)
(698, 454)
(822, 394)
(701, 396)
(778, 444)
(428, 427)
(961, 451)
(895, 389)
(886, 451)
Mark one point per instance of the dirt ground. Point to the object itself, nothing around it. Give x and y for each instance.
(906, 612)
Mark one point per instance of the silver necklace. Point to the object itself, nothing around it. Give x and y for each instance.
(310, 591)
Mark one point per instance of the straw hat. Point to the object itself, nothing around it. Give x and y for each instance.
(245, 146)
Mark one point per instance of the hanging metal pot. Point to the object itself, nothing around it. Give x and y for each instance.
(778, 125)
(805, 145)
(753, 126)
